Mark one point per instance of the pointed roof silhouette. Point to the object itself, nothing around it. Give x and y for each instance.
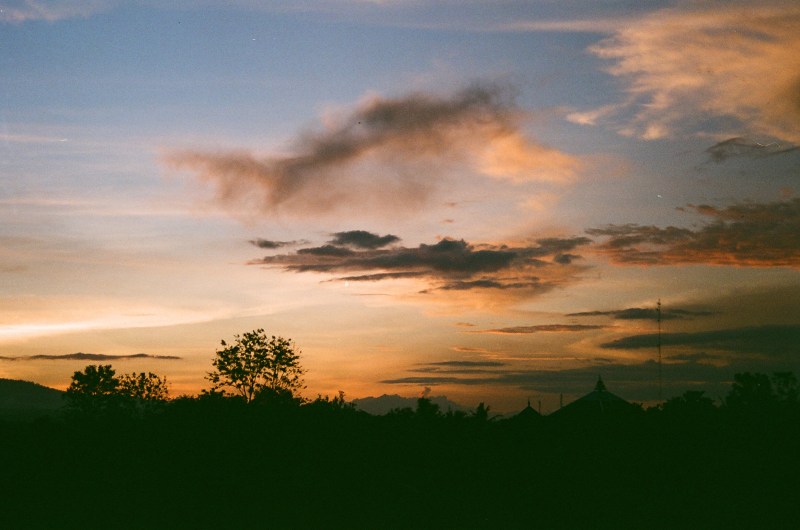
(596, 403)
(527, 413)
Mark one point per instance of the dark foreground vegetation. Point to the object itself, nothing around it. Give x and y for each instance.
(218, 462)
(270, 460)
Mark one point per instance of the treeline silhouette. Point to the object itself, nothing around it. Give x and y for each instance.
(217, 461)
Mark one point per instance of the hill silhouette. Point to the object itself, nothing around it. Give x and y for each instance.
(378, 406)
(23, 399)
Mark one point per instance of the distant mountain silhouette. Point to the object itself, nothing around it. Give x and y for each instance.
(80, 356)
(379, 406)
(23, 399)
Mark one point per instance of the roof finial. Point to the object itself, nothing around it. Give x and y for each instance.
(600, 386)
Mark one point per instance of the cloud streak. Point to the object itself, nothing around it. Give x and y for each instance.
(89, 357)
(542, 328)
(774, 341)
(50, 11)
(747, 235)
(685, 65)
(379, 156)
(644, 313)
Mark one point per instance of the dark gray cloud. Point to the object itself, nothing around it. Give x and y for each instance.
(460, 367)
(379, 277)
(440, 380)
(88, 357)
(546, 328)
(534, 284)
(694, 357)
(378, 156)
(328, 251)
(743, 147)
(747, 234)
(565, 259)
(644, 313)
(634, 381)
(363, 239)
(777, 341)
(447, 265)
(271, 245)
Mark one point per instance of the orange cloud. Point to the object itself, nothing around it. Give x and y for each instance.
(514, 157)
(736, 61)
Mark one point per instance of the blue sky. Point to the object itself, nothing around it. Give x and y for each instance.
(170, 177)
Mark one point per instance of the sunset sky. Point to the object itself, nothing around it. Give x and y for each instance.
(481, 200)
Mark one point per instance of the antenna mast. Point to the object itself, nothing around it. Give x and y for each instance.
(658, 318)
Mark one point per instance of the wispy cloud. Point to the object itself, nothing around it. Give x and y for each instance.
(748, 234)
(468, 364)
(378, 155)
(88, 357)
(542, 328)
(459, 367)
(30, 139)
(51, 10)
(448, 265)
(683, 65)
(644, 313)
(746, 148)
(593, 25)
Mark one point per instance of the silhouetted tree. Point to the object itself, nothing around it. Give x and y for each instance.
(93, 389)
(337, 403)
(750, 391)
(759, 392)
(785, 387)
(426, 409)
(94, 380)
(98, 389)
(692, 403)
(400, 414)
(143, 392)
(256, 365)
(144, 387)
(481, 412)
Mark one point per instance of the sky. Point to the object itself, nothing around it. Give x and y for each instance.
(478, 200)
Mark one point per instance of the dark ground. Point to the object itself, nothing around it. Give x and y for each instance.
(222, 464)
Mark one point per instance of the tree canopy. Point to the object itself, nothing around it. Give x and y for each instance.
(257, 365)
(94, 381)
(144, 387)
(97, 388)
